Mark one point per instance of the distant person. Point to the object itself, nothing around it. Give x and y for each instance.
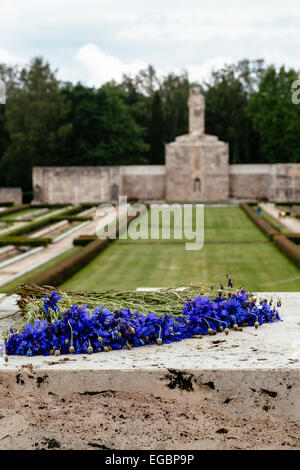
(258, 211)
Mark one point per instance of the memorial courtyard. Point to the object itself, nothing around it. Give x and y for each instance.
(232, 244)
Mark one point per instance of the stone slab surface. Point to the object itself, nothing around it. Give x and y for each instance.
(235, 392)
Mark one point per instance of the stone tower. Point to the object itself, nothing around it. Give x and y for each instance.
(197, 164)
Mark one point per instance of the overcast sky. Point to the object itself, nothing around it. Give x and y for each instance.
(96, 40)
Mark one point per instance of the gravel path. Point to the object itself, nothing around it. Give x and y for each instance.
(292, 224)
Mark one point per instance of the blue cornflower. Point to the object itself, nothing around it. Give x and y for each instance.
(81, 331)
(51, 302)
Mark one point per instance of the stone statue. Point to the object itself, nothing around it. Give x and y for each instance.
(196, 105)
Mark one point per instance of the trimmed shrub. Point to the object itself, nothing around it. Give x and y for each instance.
(84, 240)
(70, 266)
(294, 237)
(24, 241)
(289, 248)
(260, 222)
(73, 218)
(66, 215)
(49, 206)
(14, 209)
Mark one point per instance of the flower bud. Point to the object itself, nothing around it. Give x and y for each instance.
(159, 341)
(132, 330)
(66, 341)
(71, 349)
(100, 339)
(210, 331)
(90, 350)
(226, 331)
(57, 352)
(256, 324)
(5, 357)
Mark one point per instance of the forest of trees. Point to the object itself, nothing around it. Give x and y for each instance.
(48, 122)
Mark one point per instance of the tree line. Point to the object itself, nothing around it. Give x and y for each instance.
(46, 122)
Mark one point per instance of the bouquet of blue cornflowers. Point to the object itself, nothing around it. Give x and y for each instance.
(81, 330)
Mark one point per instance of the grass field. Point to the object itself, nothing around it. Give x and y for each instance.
(233, 244)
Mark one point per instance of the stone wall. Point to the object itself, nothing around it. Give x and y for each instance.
(11, 195)
(97, 184)
(144, 182)
(279, 182)
(192, 172)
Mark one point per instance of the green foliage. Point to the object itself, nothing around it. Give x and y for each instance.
(46, 122)
(104, 130)
(275, 118)
(36, 113)
(156, 131)
(84, 240)
(263, 224)
(289, 248)
(32, 226)
(24, 241)
(13, 210)
(227, 97)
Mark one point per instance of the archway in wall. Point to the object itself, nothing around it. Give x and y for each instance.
(197, 186)
(114, 192)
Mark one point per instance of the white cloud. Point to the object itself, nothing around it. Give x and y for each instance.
(98, 40)
(202, 71)
(8, 58)
(100, 67)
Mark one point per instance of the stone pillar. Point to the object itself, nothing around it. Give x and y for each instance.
(196, 104)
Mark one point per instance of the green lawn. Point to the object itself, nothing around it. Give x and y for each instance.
(232, 244)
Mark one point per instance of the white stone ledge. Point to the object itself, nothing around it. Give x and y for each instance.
(273, 346)
(176, 396)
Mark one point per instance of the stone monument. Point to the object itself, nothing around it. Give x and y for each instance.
(197, 164)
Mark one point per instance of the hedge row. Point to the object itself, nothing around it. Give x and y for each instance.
(289, 248)
(294, 237)
(68, 214)
(24, 241)
(260, 222)
(6, 204)
(14, 209)
(282, 241)
(66, 268)
(49, 206)
(74, 218)
(84, 240)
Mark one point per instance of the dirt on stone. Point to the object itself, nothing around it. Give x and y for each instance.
(115, 420)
